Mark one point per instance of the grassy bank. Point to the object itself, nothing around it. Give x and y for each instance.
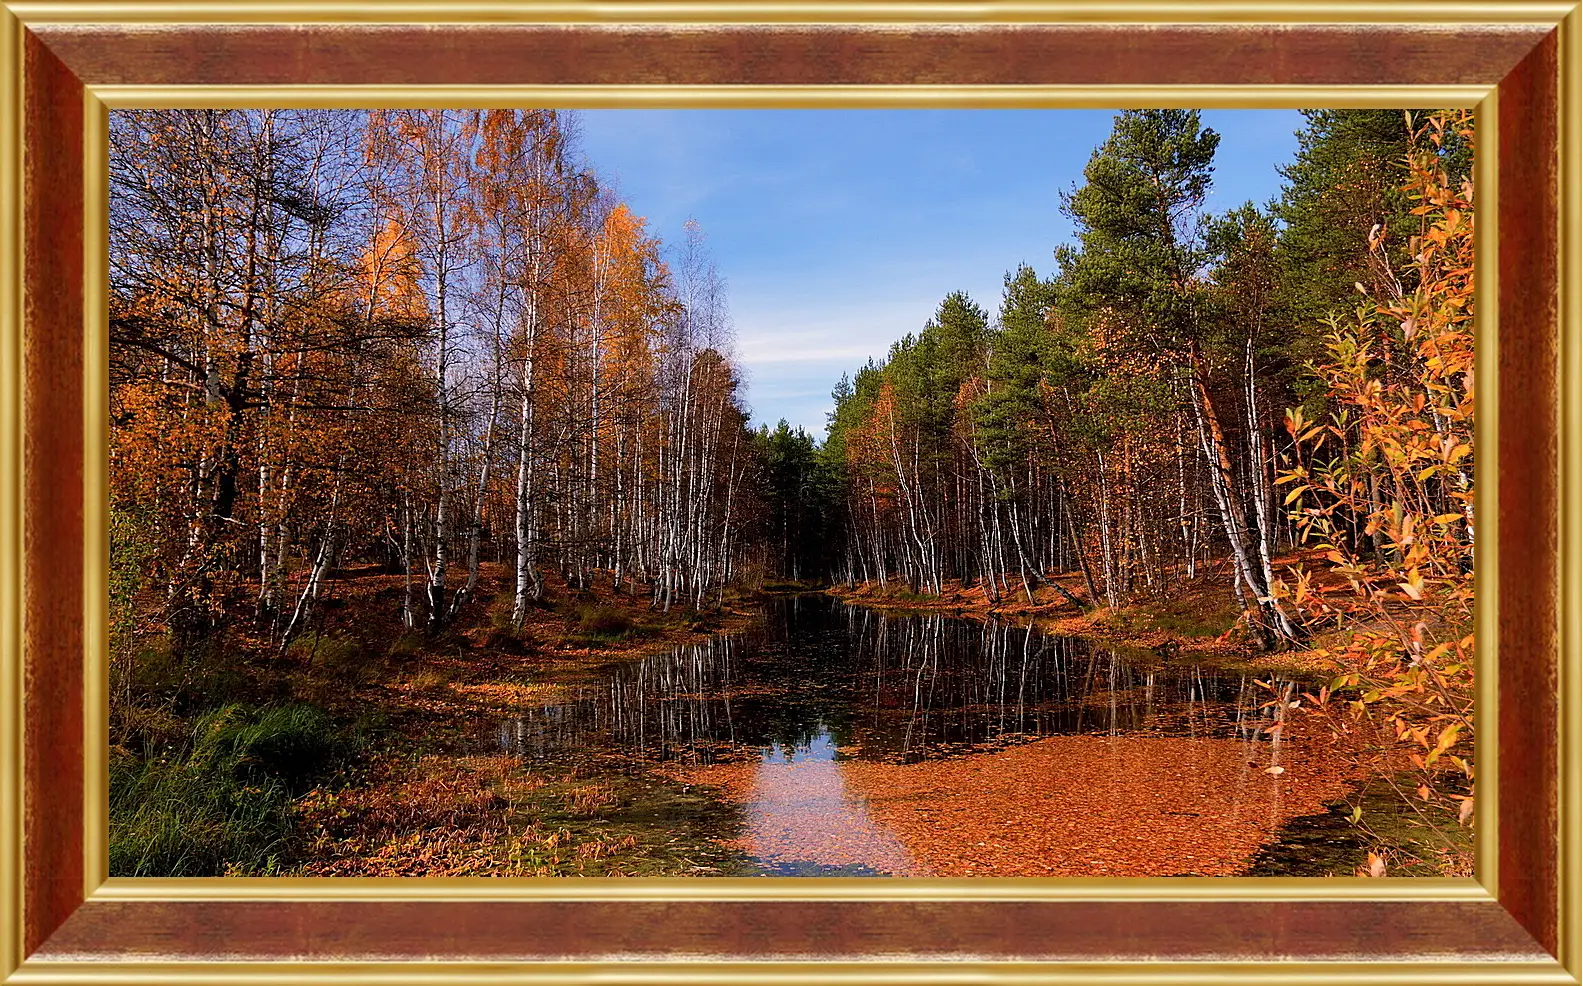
(220, 800)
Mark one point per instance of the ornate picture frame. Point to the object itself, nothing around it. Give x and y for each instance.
(64, 63)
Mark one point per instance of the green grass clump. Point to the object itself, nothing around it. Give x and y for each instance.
(1194, 618)
(430, 678)
(220, 803)
(286, 742)
(177, 818)
(408, 645)
(602, 623)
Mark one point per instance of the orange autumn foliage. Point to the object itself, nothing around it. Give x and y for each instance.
(1384, 487)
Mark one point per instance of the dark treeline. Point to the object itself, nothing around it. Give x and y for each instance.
(1124, 422)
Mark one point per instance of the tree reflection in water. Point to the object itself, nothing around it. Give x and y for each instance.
(886, 687)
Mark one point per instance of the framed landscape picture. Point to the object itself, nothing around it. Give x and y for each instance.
(731, 492)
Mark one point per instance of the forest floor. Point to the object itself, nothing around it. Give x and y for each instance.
(444, 799)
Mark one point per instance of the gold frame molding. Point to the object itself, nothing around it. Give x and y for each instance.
(64, 64)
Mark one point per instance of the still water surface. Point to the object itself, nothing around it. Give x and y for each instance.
(823, 683)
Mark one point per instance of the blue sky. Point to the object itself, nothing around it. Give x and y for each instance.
(839, 231)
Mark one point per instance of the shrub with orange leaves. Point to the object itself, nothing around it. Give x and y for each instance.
(1383, 486)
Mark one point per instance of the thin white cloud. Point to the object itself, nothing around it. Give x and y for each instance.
(781, 330)
(767, 352)
(819, 390)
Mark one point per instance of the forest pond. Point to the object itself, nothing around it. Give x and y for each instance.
(856, 742)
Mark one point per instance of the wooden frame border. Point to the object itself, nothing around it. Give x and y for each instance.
(63, 62)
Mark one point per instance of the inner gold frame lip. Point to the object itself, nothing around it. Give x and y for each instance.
(98, 99)
(620, 13)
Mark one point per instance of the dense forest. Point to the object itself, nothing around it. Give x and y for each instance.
(1131, 419)
(435, 352)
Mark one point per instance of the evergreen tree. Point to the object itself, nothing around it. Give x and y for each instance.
(1343, 187)
(1139, 216)
(793, 499)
